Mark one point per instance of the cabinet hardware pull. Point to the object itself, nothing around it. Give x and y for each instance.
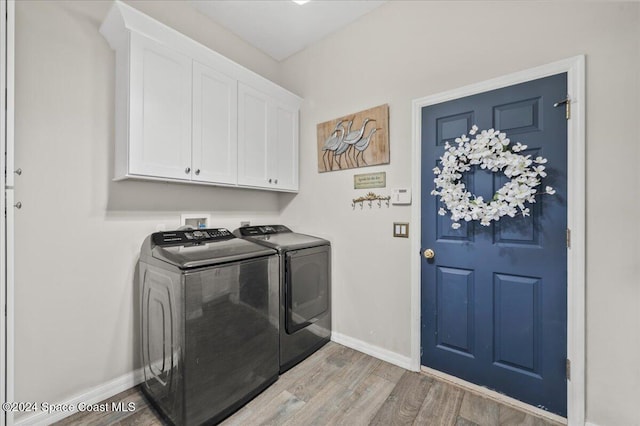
(18, 172)
(197, 172)
(18, 205)
(269, 180)
(276, 181)
(187, 170)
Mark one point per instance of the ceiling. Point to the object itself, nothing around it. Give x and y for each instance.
(281, 28)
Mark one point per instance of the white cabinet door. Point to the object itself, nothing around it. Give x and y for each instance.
(267, 141)
(160, 111)
(285, 148)
(253, 136)
(215, 122)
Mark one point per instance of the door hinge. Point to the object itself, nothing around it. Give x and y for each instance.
(568, 368)
(567, 106)
(568, 238)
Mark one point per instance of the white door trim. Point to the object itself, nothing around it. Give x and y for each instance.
(575, 69)
(3, 203)
(7, 45)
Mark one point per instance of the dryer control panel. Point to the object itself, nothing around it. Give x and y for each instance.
(248, 231)
(196, 236)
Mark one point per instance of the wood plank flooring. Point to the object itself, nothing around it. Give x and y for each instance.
(341, 386)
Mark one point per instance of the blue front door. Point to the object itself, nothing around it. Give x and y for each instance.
(494, 297)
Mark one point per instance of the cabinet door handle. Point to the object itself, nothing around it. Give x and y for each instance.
(187, 170)
(276, 181)
(269, 180)
(197, 172)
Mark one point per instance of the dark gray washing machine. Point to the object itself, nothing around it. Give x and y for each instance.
(209, 317)
(305, 289)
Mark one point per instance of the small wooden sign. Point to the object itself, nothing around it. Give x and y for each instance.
(370, 180)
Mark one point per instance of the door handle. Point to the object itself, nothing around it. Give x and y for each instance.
(429, 254)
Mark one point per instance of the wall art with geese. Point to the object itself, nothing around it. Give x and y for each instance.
(354, 141)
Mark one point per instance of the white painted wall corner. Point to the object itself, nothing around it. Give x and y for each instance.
(373, 350)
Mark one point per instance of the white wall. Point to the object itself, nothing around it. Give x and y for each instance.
(406, 50)
(79, 234)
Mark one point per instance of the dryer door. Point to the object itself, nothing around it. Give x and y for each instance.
(307, 286)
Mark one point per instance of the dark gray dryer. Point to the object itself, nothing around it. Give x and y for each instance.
(209, 323)
(305, 289)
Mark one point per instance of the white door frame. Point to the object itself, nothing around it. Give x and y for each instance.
(3, 203)
(7, 45)
(575, 69)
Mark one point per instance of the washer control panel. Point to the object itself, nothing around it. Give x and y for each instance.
(196, 236)
(263, 230)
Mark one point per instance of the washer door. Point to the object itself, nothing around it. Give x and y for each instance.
(307, 286)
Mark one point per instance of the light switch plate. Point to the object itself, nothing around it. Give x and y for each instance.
(401, 229)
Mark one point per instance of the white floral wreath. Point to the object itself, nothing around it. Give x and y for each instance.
(490, 150)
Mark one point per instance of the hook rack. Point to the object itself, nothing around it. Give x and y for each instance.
(370, 198)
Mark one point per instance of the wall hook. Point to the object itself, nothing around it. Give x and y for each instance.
(370, 198)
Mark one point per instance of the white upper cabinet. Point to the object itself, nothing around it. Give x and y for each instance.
(215, 124)
(185, 113)
(160, 111)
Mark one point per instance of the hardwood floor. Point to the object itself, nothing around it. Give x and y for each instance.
(341, 386)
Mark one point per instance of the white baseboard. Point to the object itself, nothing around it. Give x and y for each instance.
(375, 351)
(590, 424)
(90, 396)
